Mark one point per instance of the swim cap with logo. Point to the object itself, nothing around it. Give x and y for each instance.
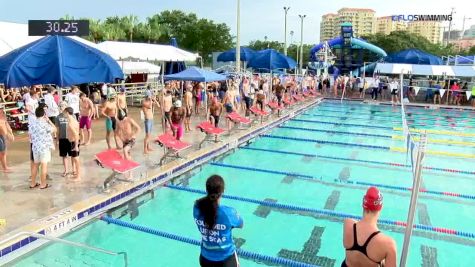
(373, 200)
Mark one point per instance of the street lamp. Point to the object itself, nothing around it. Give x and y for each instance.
(450, 25)
(286, 9)
(238, 37)
(301, 41)
(463, 25)
(265, 41)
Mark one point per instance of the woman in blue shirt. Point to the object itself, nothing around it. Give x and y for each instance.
(215, 223)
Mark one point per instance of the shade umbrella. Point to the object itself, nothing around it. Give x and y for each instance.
(270, 59)
(57, 60)
(196, 74)
(230, 55)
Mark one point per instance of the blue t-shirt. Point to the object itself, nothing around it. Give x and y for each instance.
(217, 244)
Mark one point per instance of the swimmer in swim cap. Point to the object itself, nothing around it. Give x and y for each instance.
(364, 244)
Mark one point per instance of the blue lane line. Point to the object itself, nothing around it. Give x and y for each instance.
(325, 142)
(345, 124)
(335, 132)
(244, 253)
(320, 211)
(313, 178)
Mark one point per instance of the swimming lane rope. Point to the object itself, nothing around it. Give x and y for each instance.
(329, 213)
(244, 253)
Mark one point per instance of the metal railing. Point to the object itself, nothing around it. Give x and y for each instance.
(70, 243)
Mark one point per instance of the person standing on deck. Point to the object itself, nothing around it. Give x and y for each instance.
(167, 103)
(110, 112)
(74, 139)
(188, 102)
(72, 98)
(127, 131)
(122, 101)
(177, 116)
(377, 249)
(147, 111)
(6, 135)
(215, 223)
(86, 109)
(215, 111)
(52, 111)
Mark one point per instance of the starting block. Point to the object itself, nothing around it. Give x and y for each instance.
(212, 133)
(112, 159)
(171, 146)
(260, 113)
(298, 98)
(238, 119)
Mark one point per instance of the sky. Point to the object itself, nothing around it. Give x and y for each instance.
(259, 18)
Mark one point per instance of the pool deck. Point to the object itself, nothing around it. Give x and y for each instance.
(69, 203)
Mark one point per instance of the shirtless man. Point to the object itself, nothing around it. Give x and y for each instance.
(73, 137)
(6, 134)
(215, 110)
(177, 117)
(167, 103)
(147, 110)
(377, 248)
(127, 131)
(188, 102)
(110, 112)
(86, 111)
(122, 101)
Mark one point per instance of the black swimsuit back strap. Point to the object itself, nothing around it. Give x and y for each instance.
(369, 238)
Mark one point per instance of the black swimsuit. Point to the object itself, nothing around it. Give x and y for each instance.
(359, 248)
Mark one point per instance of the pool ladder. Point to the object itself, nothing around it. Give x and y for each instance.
(71, 243)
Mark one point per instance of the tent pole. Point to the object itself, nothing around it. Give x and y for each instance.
(206, 99)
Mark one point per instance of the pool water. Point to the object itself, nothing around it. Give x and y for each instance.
(306, 173)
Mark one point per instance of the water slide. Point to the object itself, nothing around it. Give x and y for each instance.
(354, 41)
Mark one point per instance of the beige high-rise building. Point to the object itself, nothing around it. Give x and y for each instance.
(386, 25)
(328, 26)
(362, 19)
(428, 29)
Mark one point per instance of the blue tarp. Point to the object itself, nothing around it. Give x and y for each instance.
(413, 56)
(57, 60)
(172, 67)
(270, 59)
(196, 75)
(230, 55)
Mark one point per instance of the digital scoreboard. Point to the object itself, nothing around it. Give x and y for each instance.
(58, 27)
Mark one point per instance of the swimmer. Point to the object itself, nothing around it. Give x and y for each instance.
(377, 248)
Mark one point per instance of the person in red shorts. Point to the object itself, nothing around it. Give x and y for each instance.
(86, 110)
(365, 245)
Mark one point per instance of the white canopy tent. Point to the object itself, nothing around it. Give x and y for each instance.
(15, 35)
(144, 51)
(130, 67)
(436, 70)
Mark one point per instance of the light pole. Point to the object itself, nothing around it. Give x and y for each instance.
(286, 9)
(265, 41)
(463, 25)
(238, 37)
(450, 25)
(301, 41)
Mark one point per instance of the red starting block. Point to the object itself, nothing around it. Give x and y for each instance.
(112, 159)
(238, 119)
(212, 133)
(171, 146)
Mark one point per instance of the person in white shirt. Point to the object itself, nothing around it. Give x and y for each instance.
(394, 91)
(31, 105)
(52, 108)
(72, 98)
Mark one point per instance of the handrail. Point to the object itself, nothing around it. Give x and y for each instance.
(71, 243)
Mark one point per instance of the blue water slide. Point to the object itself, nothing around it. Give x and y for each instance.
(354, 41)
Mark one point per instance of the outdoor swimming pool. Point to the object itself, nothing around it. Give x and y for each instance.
(322, 160)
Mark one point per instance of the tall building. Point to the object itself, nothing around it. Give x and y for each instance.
(386, 25)
(362, 19)
(469, 33)
(328, 26)
(431, 30)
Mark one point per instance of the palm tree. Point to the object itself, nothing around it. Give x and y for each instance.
(96, 30)
(156, 30)
(129, 23)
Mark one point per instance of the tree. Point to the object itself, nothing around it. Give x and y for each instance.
(471, 51)
(129, 24)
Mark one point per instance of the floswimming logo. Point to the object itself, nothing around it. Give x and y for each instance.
(422, 17)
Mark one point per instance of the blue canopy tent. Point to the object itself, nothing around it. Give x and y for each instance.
(174, 67)
(270, 60)
(57, 60)
(196, 74)
(230, 55)
(413, 56)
